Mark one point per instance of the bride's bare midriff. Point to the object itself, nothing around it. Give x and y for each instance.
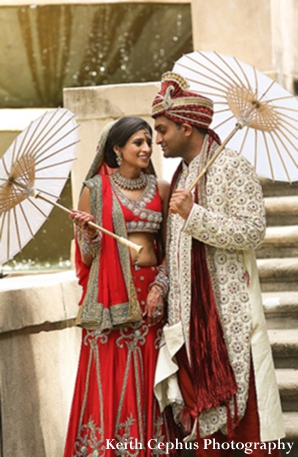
(147, 256)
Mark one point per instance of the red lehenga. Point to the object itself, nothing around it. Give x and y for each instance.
(114, 411)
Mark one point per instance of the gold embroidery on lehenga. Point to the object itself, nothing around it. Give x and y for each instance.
(130, 445)
(158, 438)
(158, 338)
(90, 435)
(90, 438)
(133, 338)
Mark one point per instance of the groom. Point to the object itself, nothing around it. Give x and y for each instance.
(215, 358)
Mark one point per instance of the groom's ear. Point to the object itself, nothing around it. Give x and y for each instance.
(186, 129)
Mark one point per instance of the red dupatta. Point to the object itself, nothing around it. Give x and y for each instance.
(109, 299)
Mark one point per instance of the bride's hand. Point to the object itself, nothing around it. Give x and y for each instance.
(81, 220)
(154, 307)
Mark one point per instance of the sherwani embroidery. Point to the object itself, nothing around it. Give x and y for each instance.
(230, 220)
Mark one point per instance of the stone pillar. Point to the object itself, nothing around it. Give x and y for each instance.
(236, 27)
(285, 42)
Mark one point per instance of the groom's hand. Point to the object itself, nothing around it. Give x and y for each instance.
(181, 202)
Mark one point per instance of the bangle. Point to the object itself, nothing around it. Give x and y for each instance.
(91, 237)
(158, 287)
(163, 269)
(161, 281)
(90, 246)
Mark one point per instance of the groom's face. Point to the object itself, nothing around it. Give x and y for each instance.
(169, 136)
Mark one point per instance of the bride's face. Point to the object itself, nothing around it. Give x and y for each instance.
(137, 150)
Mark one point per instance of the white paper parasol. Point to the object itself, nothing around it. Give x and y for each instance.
(254, 114)
(39, 160)
(33, 173)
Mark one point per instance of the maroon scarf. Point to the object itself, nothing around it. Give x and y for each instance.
(213, 378)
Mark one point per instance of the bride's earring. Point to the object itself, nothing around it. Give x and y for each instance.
(118, 157)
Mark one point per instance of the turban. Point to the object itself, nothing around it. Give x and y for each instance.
(180, 105)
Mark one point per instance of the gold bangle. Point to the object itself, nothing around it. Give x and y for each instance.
(91, 237)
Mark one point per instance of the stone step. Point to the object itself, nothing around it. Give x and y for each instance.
(281, 309)
(278, 274)
(277, 188)
(278, 270)
(282, 210)
(291, 449)
(287, 380)
(290, 420)
(284, 345)
(279, 242)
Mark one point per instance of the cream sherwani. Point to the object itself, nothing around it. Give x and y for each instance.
(230, 220)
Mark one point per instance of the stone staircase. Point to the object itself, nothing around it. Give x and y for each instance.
(278, 270)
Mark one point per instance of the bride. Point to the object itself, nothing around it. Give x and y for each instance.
(121, 311)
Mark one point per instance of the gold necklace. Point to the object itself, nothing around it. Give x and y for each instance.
(129, 183)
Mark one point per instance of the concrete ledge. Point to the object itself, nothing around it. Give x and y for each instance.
(277, 274)
(39, 347)
(34, 300)
(113, 100)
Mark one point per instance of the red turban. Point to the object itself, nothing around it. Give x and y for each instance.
(179, 105)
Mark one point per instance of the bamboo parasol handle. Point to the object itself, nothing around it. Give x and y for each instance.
(216, 154)
(121, 239)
